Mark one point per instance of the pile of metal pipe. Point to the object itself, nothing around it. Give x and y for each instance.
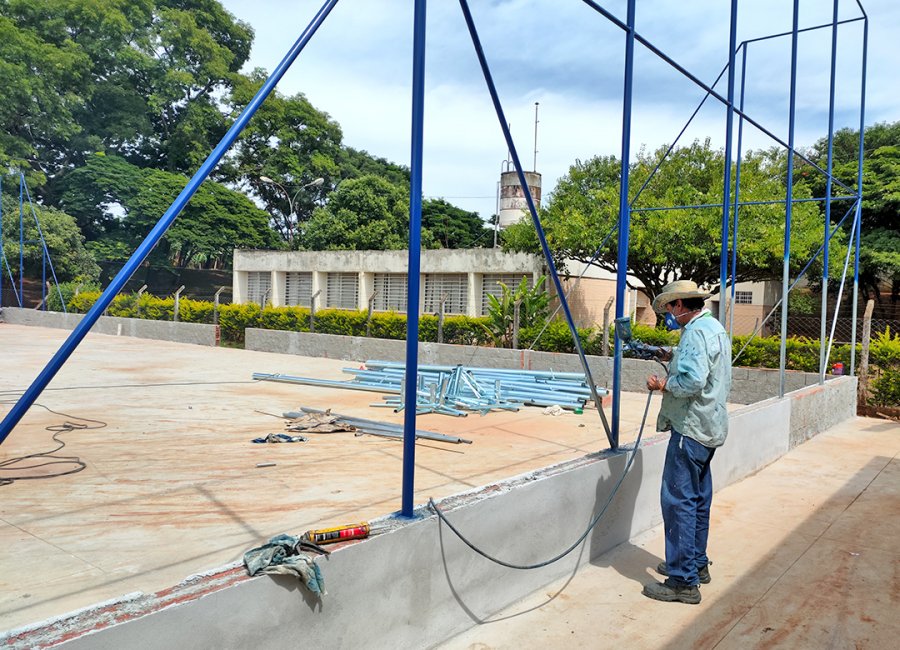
(459, 390)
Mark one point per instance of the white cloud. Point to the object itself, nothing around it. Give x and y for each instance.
(564, 55)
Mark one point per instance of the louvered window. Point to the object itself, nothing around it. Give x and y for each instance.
(743, 297)
(259, 287)
(454, 285)
(391, 288)
(342, 291)
(490, 286)
(297, 289)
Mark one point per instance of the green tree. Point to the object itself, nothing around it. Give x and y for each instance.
(454, 227)
(367, 213)
(681, 242)
(119, 203)
(65, 243)
(291, 144)
(880, 243)
(139, 78)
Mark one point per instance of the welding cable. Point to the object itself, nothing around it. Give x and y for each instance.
(149, 385)
(58, 430)
(594, 521)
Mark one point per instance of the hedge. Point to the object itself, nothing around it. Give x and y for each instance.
(802, 353)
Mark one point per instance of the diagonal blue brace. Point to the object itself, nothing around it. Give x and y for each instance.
(476, 42)
(139, 255)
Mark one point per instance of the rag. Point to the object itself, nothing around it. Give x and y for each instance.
(282, 556)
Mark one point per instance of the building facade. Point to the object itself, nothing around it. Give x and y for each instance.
(460, 278)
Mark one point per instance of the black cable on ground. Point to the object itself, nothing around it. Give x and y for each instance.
(594, 521)
(57, 429)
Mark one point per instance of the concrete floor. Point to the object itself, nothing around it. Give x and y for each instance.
(805, 555)
(172, 486)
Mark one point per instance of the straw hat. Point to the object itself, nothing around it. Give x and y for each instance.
(680, 289)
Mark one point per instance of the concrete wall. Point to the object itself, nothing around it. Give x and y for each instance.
(197, 333)
(418, 584)
(750, 385)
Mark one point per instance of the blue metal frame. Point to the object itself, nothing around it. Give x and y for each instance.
(415, 245)
(829, 168)
(45, 259)
(624, 212)
(143, 250)
(788, 204)
(726, 192)
(859, 174)
(529, 200)
(625, 207)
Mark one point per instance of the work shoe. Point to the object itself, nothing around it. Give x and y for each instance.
(702, 572)
(672, 594)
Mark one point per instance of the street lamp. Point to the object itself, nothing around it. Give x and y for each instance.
(291, 199)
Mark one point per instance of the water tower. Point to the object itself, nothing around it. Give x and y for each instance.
(511, 204)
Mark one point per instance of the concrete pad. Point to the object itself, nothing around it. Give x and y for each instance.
(804, 556)
(172, 486)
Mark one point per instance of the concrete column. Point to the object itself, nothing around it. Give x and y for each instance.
(239, 286)
(319, 280)
(476, 284)
(421, 294)
(276, 294)
(366, 286)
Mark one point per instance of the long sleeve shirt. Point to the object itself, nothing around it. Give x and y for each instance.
(698, 383)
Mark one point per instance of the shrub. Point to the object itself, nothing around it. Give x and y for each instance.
(235, 318)
(886, 388)
(68, 290)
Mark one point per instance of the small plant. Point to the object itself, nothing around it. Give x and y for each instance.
(533, 305)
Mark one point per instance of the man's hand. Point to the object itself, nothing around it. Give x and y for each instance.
(655, 382)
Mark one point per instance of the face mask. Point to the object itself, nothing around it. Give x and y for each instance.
(671, 322)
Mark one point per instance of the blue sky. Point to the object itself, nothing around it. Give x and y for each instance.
(567, 57)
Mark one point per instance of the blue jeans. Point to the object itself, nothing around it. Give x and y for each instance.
(686, 497)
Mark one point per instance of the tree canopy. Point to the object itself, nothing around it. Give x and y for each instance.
(65, 243)
(118, 203)
(880, 219)
(454, 227)
(367, 213)
(676, 242)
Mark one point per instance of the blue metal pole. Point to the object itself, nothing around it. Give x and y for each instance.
(829, 168)
(684, 71)
(859, 190)
(47, 258)
(21, 246)
(726, 192)
(624, 216)
(143, 250)
(2, 251)
(535, 219)
(415, 253)
(786, 273)
(737, 188)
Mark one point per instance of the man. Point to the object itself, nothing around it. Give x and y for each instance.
(693, 409)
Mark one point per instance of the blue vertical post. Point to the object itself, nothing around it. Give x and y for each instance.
(2, 250)
(143, 250)
(726, 192)
(737, 186)
(788, 203)
(21, 244)
(828, 168)
(624, 217)
(535, 219)
(859, 191)
(415, 246)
